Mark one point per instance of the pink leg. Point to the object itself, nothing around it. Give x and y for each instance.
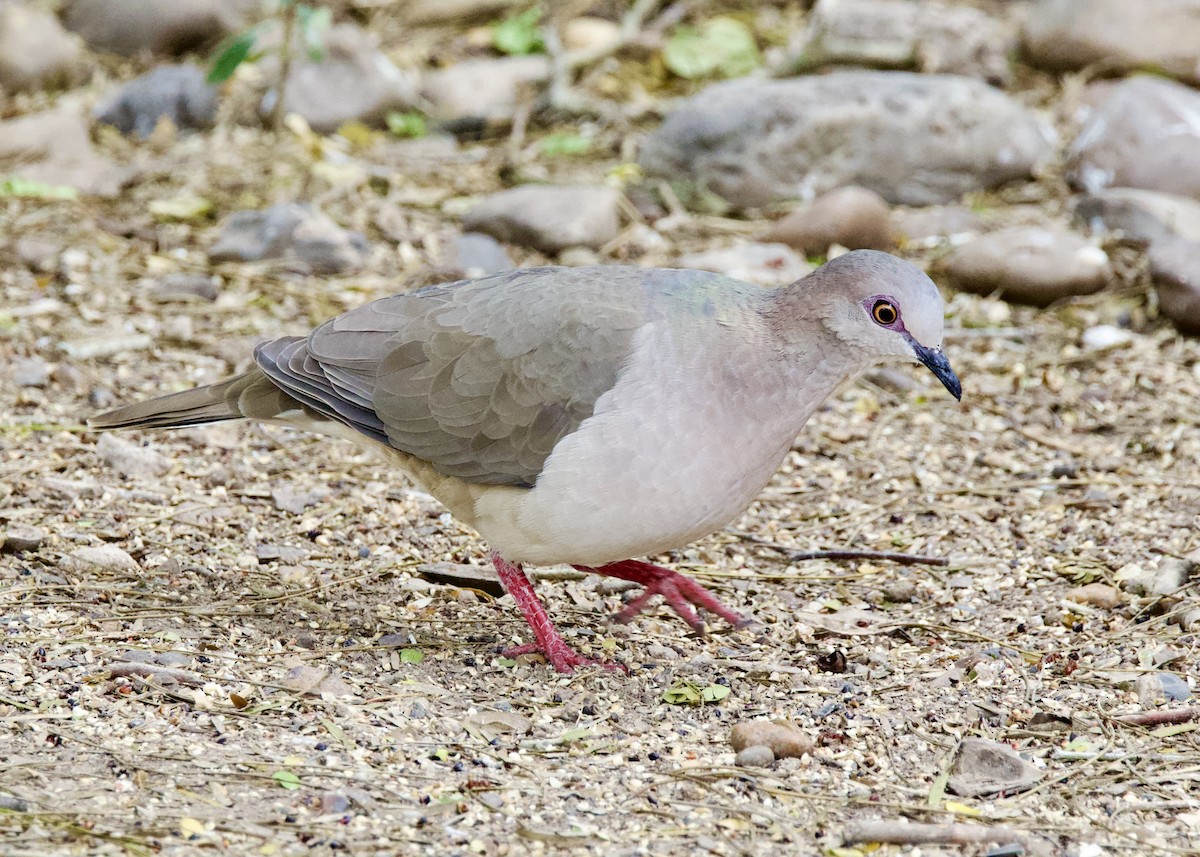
(548, 641)
(679, 591)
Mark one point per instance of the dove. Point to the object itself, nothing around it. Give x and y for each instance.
(589, 416)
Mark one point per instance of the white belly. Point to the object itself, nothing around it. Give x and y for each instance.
(671, 454)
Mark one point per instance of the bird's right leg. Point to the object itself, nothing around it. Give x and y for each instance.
(548, 642)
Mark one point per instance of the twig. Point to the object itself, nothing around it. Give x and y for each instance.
(285, 65)
(1160, 718)
(902, 833)
(842, 555)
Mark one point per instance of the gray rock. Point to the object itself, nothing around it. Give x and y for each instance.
(1176, 278)
(934, 224)
(35, 50)
(130, 459)
(186, 286)
(761, 264)
(1170, 225)
(279, 553)
(983, 767)
(89, 560)
(293, 231)
(1155, 686)
(548, 217)
(1028, 264)
(178, 92)
(476, 254)
(38, 254)
(1063, 35)
(129, 27)
(913, 139)
(1143, 135)
(1142, 215)
(55, 147)
(482, 91)
(854, 217)
(15, 538)
(353, 81)
(755, 757)
(899, 34)
(30, 372)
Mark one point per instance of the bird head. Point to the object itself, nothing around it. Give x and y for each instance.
(886, 307)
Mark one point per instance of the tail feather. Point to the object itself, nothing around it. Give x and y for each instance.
(250, 394)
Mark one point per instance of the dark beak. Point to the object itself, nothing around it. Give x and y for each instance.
(939, 366)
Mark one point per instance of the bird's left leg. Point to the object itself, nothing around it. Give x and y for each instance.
(678, 590)
(548, 642)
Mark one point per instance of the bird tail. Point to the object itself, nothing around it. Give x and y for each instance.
(250, 394)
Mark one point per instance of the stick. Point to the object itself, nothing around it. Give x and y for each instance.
(901, 833)
(842, 555)
(1160, 718)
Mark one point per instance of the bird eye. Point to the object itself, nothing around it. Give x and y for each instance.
(885, 312)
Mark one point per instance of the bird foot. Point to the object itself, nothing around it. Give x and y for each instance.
(548, 642)
(678, 590)
(562, 657)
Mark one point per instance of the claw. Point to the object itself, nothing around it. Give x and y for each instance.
(678, 590)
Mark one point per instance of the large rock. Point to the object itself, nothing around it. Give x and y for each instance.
(290, 231)
(933, 37)
(548, 217)
(129, 27)
(178, 92)
(1142, 215)
(1145, 134)
(353, 81)
(854, 217)
(483, 91)
(914, 139)
(1170, 226)
(1028, 264)
(35, 50)
(54, 147)
(1062, 35)
(1176, 277)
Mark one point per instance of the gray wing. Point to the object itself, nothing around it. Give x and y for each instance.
(480, 378)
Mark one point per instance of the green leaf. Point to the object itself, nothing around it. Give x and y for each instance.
(19, 187)
(441, 754)
(519, 35)
(565, 144)
(684, 692)
(314, 24)
(410, 124)
(506, 662)
(721, 46)
(231, 53)
(411, 656)
(286, 779)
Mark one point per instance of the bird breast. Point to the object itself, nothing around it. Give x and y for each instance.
(681, 445)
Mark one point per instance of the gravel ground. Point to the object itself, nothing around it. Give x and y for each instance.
(223, 639)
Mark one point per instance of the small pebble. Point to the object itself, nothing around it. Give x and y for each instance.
(758, 756)
(1097, 595)
(784, 739)
(15, 538)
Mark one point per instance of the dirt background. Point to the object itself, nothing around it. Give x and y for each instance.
(277, 574)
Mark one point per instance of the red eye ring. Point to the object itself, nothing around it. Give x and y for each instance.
(885, 313)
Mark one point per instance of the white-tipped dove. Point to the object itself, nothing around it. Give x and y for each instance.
(585, 415)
